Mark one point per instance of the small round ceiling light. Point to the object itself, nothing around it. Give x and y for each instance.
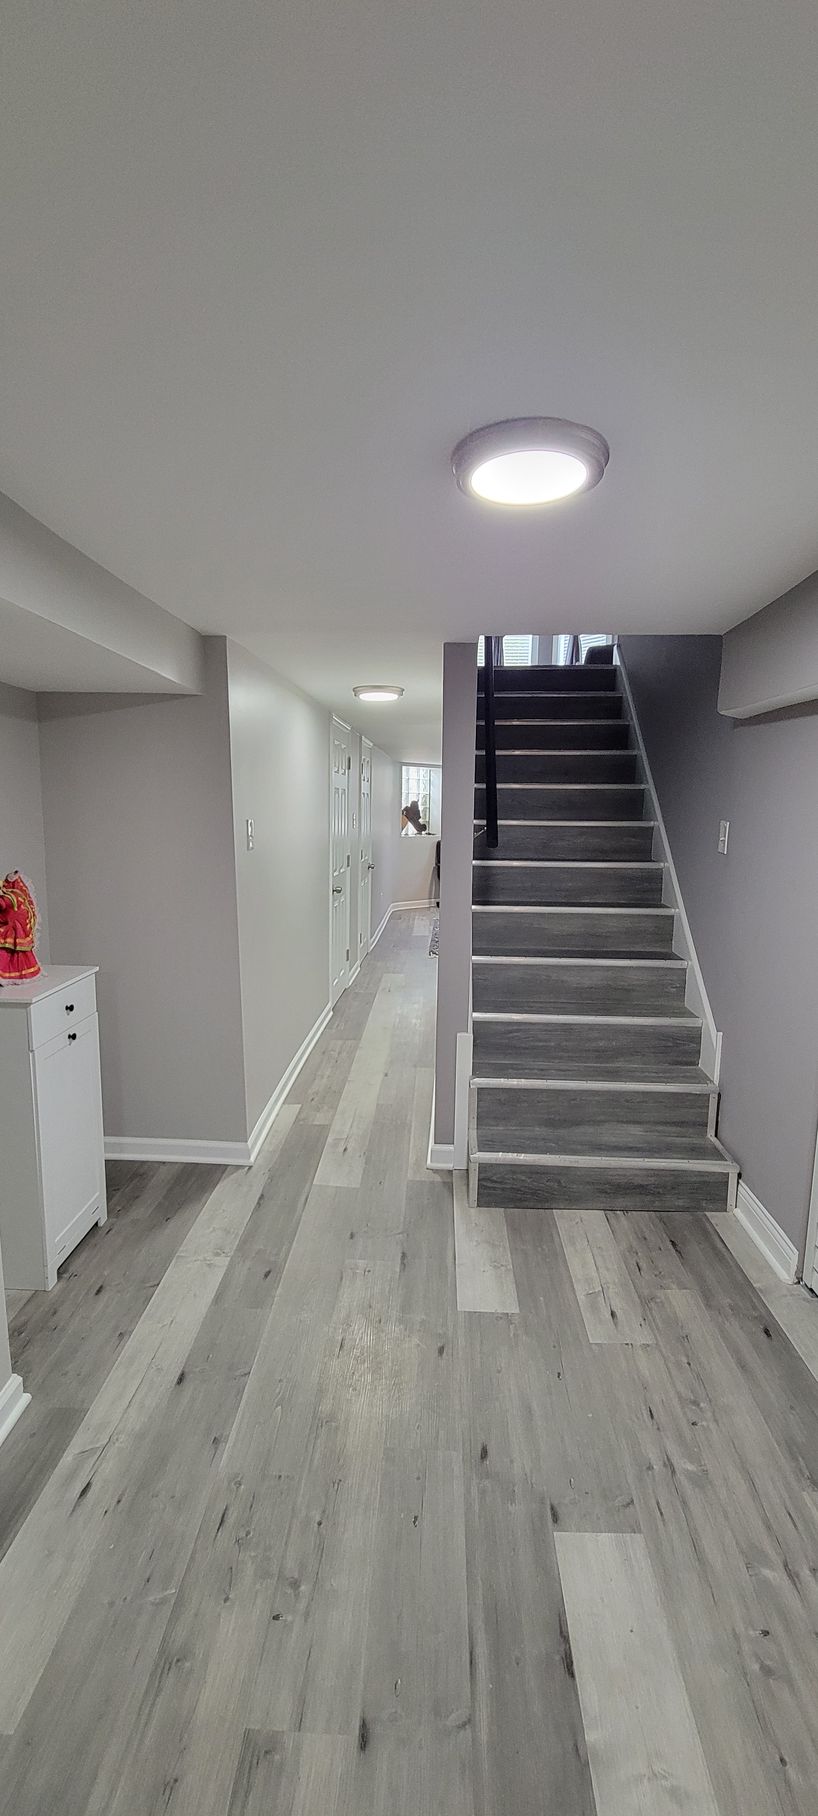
(529, 461)
(377, 691)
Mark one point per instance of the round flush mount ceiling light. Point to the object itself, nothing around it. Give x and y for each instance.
(377, 690)
(529, 460)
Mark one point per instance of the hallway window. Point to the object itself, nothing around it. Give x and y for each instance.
(518, 652)
(420, 783)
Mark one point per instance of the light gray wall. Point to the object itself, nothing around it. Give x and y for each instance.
(141, 881)
(771, 660)
(22, 845)
(386, 805)
(355, 844)
(279, 743)
(42, 574)
(753, 914)
(5, 1357)
(456, 850)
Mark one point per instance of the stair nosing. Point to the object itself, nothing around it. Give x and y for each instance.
(700, 1087)
(569, 908)
(553, 693)
(562, 786)
(527, 1017)
(647, 1162)
(559, 750)
(595, 823)
(568, 863)
(673, 963)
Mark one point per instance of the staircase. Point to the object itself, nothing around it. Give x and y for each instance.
(587, 1087)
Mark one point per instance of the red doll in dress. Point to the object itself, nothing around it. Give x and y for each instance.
(18, 925)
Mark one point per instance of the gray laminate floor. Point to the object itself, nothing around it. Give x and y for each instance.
(335, 1498)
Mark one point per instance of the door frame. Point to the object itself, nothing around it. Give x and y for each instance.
(340, 725)
(364, 934)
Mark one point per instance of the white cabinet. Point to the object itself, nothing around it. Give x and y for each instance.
(52, 1170)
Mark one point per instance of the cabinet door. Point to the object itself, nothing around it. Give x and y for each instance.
(70, 1127)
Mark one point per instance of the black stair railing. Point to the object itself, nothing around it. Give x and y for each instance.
(493, 658)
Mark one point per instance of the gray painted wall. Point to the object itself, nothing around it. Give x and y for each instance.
(771, 660)
(279, 744)
(752, 914)
(5, 1357)
(22, 845)
(141, 881)
(386, 805)
(457, 844)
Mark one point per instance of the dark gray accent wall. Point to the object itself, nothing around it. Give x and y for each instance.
(753, 913)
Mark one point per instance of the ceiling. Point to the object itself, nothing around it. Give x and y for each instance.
(263, 265)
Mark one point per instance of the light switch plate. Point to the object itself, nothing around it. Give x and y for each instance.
(724, 834)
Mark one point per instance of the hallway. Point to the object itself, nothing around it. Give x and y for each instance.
(340, 1506)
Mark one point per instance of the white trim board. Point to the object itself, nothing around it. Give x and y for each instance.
(768, 1237)
(285, 1084)
(219, 1153)
(13, 1401)
(696, 997)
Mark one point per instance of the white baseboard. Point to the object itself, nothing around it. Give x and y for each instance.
(172, 1148)
(374, 937)
(219, 1153)
(696, 997)
(440, 1157)
(285, 1084)
(13, 1401)
(354, 972)
(776, 1248)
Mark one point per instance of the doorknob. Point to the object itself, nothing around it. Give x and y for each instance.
(337, 889)
(370, 866)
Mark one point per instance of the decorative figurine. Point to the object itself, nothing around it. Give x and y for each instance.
(18, 925)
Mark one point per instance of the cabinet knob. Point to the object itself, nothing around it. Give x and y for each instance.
(72, 1037)
(69, 1008)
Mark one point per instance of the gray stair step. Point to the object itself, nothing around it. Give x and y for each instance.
(620, 1076)
(529, 1046)
(564, 801)
(558, 734)
(603, 1182)
(599, 986)
(517, 882)
(579, 932)
(554, 706)
(561, 766)
(582, 1119)
(552, 679)
(625, 840)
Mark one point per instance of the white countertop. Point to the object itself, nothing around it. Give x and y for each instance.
(51, 978)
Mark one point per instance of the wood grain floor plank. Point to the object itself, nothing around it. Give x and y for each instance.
(343, 1159)
(291, 1775)
(610, 1307)
(485, 1275)
(643, 1744)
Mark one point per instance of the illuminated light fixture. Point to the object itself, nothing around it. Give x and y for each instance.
(375, 691)
(529, 461)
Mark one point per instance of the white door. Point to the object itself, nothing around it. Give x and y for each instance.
(367, 866)
(340, 858)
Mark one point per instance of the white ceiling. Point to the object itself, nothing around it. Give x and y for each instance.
(262, 266)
